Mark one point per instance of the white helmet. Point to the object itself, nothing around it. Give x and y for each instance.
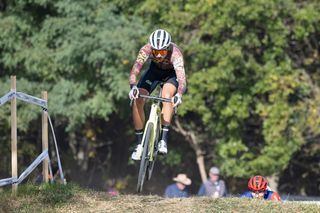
(160, 39)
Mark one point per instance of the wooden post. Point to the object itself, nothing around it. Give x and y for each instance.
(14, 155)
(45, 164)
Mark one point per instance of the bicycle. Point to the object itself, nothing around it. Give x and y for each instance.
(150, 139)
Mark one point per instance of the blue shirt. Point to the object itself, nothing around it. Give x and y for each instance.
(173, 191)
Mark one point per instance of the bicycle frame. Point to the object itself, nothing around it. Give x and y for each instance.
(154, 118)
(150, 139)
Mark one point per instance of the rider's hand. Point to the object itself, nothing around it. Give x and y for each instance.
(134, 93)
(176, 100)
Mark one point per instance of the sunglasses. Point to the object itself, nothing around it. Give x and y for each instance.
(161, 52)
(258, 192)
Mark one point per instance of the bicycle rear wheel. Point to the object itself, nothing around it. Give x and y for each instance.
(144, 158)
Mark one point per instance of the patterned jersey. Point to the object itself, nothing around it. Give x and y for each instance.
(173, 60)
(269, 195)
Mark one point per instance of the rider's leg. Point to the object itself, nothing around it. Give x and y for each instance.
(145, 87)
(146, 84)
(168, 91)
(138, 122)
(138, 110)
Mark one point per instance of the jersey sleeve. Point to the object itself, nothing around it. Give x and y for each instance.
(202, 190)
(178, 64)
(167, 192)
(223, 189)
(142, 57)
(246, 194)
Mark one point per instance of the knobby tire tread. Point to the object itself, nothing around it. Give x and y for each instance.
(144, 158)
(155, 151)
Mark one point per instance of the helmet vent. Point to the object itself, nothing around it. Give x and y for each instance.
(160, 39)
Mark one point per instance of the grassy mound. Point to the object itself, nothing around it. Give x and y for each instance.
(71, 198)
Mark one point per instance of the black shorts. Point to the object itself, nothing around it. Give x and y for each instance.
(154, 75)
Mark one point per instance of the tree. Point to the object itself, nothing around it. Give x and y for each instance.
(257, 103)
(79, 51)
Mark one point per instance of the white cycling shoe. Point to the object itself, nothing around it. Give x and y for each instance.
(162, 147)
(136, 155)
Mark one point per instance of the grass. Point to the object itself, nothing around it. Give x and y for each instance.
(72, 198)
(37, 198)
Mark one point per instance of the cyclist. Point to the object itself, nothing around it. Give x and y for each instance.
(166, 66)
(258, 189)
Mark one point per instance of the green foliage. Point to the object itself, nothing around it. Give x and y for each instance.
(173, 158)
(80, 53)
(52, 194)
(252, 77)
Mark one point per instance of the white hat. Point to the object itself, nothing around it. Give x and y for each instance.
(182, 178)
(214, 171)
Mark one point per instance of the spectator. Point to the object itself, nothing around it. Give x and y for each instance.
(258, 189)
(178, 189)
(54, 178)
(55, 171)
(111, 188)
(213, 187)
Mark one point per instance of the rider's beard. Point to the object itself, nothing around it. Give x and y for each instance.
(160, 57)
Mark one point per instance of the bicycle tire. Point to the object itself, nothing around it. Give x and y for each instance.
(144, 158)
(151, 165)
(155, 152)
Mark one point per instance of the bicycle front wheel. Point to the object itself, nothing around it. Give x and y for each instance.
(155, 152)
(144, 158)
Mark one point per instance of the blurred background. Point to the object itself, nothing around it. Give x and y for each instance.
(252, 105)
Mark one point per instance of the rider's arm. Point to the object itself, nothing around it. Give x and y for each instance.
(246, 194)
(142, 57)
(177, 61)
(167, 192)
(275, 196)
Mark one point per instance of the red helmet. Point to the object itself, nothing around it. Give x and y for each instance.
(257, 183)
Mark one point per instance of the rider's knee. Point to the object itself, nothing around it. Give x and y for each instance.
(166, 95)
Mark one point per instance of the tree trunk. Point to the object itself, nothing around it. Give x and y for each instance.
(273, 182)
(194, 142)
(202, 168)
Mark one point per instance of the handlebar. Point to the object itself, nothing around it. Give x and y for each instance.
(156, 98)
(159, 99)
